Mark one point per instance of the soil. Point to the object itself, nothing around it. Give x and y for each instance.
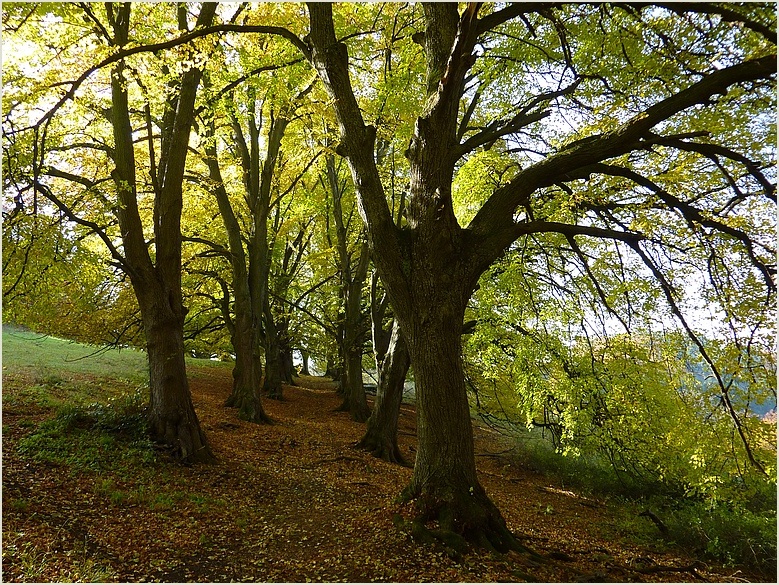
(294, 502)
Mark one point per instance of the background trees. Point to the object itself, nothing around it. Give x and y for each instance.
(584, 182)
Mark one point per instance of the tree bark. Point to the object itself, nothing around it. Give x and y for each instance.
(172, 418)
(285, 351)
(381, 434)
(247, 372)
(157, 284)
(352, 386)
(272, 384)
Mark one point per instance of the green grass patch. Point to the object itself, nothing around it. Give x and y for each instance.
(53, 359)
(96, 437)
(732, 533)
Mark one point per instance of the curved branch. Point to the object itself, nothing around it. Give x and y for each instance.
(711, 151)
(99, 231)
(493, 226)
(690, 213)
(213, 246)
(724, 389)
(181, 40)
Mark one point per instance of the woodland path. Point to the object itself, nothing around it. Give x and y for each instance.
(295, 502)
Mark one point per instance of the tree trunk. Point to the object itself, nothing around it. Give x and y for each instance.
(285, 351)
(353, 389)
(171, 415)
(304, 368)
(381, 435)
(157, 284)
(355, 402)
(247, 373)
(444, 482)
(272, 385)
(333, 369)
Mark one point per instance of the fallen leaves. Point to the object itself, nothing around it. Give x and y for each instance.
(291, 502)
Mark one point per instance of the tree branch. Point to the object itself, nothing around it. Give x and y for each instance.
(689, 212)
(99, 231)
(724, 389)
(493, 227)
(181, 40)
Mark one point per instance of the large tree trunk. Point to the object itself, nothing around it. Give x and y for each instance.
(444, 483)
(381, 434)
(285, 352)
(304, 368)
(354, 400)
(333, 367)
(247, 373)
(172, 418)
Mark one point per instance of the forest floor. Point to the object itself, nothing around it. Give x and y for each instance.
(292, 502)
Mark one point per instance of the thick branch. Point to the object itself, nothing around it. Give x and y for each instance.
(493, 225)
(330, 59)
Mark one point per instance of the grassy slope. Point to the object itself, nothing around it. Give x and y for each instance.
(49, 356)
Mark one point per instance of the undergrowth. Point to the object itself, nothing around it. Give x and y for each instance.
(96, 436)
(735, 533)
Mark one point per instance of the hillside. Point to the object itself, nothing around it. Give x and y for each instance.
(288, 502)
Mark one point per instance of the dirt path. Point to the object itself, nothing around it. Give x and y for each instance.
(294, 502)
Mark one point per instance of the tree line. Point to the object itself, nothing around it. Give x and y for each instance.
(535, 203)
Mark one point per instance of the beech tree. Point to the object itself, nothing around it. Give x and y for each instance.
(154, 270)
(353, 270)
(631, 115)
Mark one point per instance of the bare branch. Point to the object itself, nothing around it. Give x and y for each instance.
(98, 230)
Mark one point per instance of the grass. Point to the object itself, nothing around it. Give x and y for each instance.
(97, 424)
(54, 360)
(95, 437)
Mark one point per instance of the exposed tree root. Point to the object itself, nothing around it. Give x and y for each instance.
(692, 569)
(359, 412)
(183, 440)
(249, 409)
(382, 448)
(464, 522)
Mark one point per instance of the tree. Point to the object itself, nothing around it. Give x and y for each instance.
(392, 364)
(259, 157)
(619, 151)
(639, 126)
(154, 271)
(353, 268)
